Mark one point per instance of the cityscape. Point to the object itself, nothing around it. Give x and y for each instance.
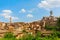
(29, 19)
(32, 27)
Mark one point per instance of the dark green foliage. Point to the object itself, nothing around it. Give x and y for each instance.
(31, 37)
(38, 35)
(58, 22)
(23, 31)
(9, 35)
(56, 34)
(48, 27)
(27, 37)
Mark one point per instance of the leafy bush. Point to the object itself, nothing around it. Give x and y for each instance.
(27, 37)
(48, 27)
(9, 35)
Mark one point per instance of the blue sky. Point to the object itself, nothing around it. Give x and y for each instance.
(27, 10)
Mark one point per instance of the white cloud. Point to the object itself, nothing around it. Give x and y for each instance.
(22, 11)
(31, 10)
(7, 11)
(30, 16)
(49, 4)
(26, 11)
(7, 14)
(15, 18)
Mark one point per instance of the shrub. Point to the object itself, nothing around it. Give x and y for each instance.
(27, 37)
(9, 35)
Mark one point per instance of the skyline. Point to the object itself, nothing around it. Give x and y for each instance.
(27, 10)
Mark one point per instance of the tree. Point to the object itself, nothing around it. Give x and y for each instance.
(58, 24)
(27, 37)
(9, 35)
(38, 35)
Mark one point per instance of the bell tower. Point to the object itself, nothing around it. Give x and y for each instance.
(51, 13)
(10, 20)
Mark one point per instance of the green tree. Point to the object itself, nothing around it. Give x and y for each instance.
(38, 36)
(9, 35)
(27, 37)
(58, 24)
(49, 27)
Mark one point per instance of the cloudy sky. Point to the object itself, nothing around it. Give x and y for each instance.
(27, 10)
